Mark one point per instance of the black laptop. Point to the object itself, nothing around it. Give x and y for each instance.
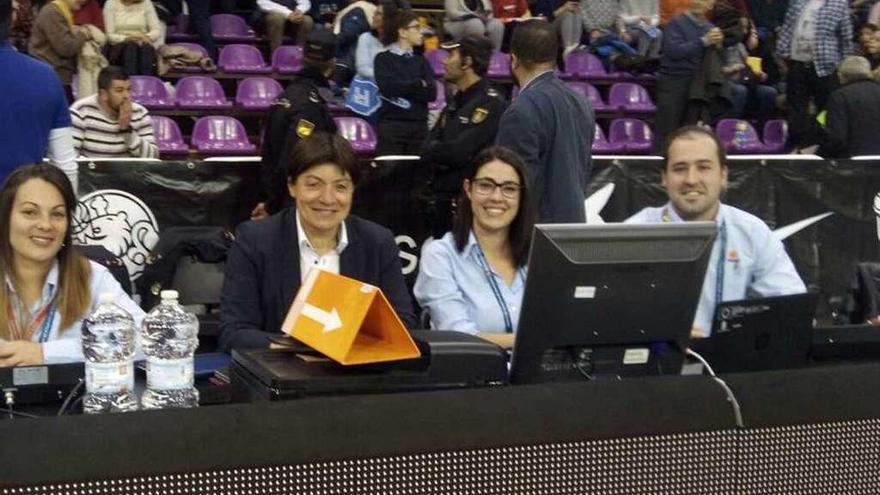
(759, 334)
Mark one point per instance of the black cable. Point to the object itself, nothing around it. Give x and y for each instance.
(13, 413)
(70, 396)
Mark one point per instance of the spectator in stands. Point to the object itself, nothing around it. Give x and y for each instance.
(90, 13)
(472, 279)
(549, 125)
(815, 37)
(350, 23)
(602, 16)
(746, 84)
(22, 22)
(685, 39)
(852, 125)
(132, 29)
(406, 82)
(640, 21)
(56, 40)
(464, 17)
(33, 110)
(49, 287)
(297, 113)
(270, 258)
(109, 124)
(323, 12)
(368, 45)
(468, 124)
(283, 16)
(768, 14)
(671, 8)
(747, 258)
(510, 13)
(567, 19)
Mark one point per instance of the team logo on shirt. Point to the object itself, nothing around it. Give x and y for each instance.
(479, 115)
(121, 223)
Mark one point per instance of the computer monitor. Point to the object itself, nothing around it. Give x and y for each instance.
(609, 300)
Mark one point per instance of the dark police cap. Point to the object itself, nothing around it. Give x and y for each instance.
(476, 46)
(320, 45)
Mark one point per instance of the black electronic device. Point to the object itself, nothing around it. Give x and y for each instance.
(760, 334)
(449, 360)
(42, 384)
(609, 300)
(846, 343)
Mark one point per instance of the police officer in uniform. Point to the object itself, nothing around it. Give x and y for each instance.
(468, 124)
(297, 113)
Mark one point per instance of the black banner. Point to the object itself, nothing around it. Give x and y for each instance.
(126, 204)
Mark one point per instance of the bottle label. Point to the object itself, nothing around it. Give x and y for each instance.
(109, 378)
(169, 374)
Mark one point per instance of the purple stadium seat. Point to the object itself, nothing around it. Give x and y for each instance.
(231, 28)
(591, 94)
(726, 130)
(601, 145)
(499, 66)
(242, 58)
(179, 30)
(168, 137)
(257, 93)
(150, 92)
(201, 92)
(775, 135)
(287, 59)
(221, 135)
(436, 58)
(440, 101)
(630, 97)
(581, 64)
(358, 132)
(196, 48)
(635, 135)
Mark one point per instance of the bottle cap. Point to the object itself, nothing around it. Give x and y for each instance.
(106, 298)
(168, 294)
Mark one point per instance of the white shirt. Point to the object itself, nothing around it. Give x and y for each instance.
(803, 39)
(66, 346)
(269, 6)
(309, 258)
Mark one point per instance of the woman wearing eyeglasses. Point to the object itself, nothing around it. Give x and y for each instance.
(472, 279)
(271, 257)
(406, 84)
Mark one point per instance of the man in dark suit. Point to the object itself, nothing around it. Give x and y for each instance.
(271, 257)
(549, 125)
(852, 127)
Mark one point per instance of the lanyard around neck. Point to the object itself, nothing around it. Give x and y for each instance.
(41, 325)
(719, 267)
(496, 290)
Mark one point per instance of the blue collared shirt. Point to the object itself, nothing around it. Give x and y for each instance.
(755, 260)
(398, 50)
(63, 345)
(453, 287)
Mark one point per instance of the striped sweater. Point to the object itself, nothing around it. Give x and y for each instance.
(95, 135)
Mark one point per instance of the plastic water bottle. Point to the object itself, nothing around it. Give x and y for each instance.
(169, 338)
(108, 346)
(740, 134)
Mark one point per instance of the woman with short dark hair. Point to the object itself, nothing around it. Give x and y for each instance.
(472, 279)
(271, 257)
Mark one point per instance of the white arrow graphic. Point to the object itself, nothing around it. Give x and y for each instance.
(594, 204)
(787, 231)
(330, 319)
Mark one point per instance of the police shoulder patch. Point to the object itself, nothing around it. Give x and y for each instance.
(304, 128)
(313, 97)
(479, 115)
(281, 102)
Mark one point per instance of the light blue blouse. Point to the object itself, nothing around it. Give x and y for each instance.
(65, 346)
(455, 289)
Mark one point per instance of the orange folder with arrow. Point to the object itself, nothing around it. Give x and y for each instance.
(347, 320)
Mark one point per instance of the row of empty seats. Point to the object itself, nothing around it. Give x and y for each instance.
(206, 93)
(248, 59)
(224, 28)
(579, 66)
(224, 135)
(632, 136)
(624, 97)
